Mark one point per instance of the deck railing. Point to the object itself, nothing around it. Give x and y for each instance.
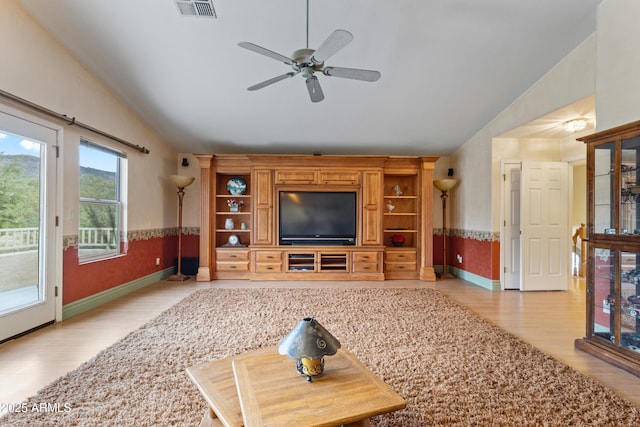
(18, 239)
(26, 239)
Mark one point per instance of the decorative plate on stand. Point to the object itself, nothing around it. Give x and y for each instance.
(236, 186)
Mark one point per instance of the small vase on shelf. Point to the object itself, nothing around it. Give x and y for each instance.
(390, 207)
(228, 224)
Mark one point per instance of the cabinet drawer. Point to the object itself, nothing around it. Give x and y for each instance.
(400, 266)
(232, 266)
(339, 177)
(268, 256)
(296, 176)
(232, 255)
(365, 257)
(267, 267)
(400, 256)
(365, 267)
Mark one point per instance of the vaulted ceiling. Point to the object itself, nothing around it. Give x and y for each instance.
(448, 67)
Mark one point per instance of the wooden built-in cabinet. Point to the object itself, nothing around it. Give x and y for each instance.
(308, 176)
(613, 234)
(242, 219)
(401, 219)
(379, 181)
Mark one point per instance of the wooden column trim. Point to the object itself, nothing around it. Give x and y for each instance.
(427, 272)
(207, 182)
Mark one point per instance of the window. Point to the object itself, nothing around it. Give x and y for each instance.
(100, 224)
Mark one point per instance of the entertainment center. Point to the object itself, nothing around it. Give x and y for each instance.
(297, 217)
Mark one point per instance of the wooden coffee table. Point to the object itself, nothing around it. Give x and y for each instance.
(262, 388)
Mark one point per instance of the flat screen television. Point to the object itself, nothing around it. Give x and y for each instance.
(317, 217)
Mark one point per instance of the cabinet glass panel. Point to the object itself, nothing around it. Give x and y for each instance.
(629, 186)
(603, 292)
(630, 300)
(603, 192)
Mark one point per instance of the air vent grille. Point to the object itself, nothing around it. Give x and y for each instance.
(196, 8)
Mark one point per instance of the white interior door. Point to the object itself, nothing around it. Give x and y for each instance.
(511, 225)
(27, 224)
(545, 226)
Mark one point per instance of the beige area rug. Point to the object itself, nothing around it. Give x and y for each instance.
(451, 367)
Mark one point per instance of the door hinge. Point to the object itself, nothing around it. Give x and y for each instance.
(57, 151)
(57, 220)
(504, 176)
(505, 269)
(55, 293)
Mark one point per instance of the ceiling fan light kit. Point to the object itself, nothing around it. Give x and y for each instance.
(307, 62)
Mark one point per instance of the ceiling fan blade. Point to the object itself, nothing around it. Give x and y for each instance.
(266, 52)
(352, 73)
(271, 81)
(315, 91)
(336, 41)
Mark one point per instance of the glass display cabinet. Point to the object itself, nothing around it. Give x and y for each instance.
(613, 235)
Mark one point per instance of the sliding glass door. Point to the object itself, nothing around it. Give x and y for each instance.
(27, 224)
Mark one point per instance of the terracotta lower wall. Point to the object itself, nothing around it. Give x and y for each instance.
(139, 260)
(480, 252)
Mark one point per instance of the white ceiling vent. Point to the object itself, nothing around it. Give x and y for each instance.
(196, 8)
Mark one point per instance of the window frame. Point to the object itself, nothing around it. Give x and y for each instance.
(119, 203)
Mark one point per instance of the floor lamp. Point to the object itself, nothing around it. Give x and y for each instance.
(444, 185)
(181, 182)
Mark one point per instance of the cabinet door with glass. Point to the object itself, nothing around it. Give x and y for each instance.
(613, 236)
(616, 187)
(615, 311)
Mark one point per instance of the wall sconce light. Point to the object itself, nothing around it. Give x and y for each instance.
(575, 125)
(185, 162)
(308, 343)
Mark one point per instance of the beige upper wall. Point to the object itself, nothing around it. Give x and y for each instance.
(37, 68)
(579, 213)
(618, 81)
(478, 195)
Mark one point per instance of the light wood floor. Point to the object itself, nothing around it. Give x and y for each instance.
(551, 321)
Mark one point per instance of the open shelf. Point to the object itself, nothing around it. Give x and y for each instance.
(223, 211)
(333, 262)
(401, 208)
(301, 262)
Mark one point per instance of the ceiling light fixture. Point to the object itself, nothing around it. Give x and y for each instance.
(575, 125)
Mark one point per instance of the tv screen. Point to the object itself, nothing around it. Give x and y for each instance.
(308, 216)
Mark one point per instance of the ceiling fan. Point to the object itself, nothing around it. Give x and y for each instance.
(307, 62)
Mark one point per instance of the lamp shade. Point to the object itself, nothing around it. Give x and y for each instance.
(181, 181)
(309, 340)
(445, 184)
